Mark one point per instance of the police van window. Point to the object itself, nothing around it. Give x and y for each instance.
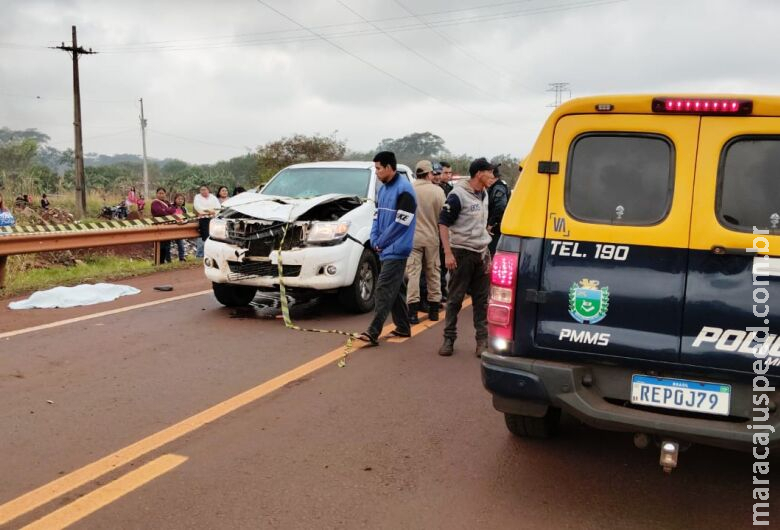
(749, 184)
(620, 178)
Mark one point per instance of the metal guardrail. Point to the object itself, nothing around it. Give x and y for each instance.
(26, 243)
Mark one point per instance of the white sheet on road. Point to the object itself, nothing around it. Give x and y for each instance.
(86, 294)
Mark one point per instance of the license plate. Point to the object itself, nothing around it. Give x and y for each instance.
(681, 394)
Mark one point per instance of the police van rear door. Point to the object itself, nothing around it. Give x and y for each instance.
(614, 265)
(733, 293)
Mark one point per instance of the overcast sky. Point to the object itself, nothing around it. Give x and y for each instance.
(220, 78)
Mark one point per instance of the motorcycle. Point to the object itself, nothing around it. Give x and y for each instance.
(114, 212)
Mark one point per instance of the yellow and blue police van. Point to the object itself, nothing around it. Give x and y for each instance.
(637, 282)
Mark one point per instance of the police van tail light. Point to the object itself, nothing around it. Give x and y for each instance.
(711, 106)
(503, 286)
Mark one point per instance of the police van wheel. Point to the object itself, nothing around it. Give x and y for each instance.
(530, 427)
(359, 297)
(233, 295)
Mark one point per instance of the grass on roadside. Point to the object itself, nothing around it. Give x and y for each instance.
(91, 269)
(95, 202)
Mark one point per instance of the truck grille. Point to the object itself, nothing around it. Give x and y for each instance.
(253, 269)
(264, 237)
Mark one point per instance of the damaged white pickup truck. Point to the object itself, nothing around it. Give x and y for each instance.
(329, 207)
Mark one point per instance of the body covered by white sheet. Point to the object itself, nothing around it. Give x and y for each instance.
(86, 294)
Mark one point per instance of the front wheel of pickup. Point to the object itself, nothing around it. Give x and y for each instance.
(359, 297)
(530, 427)
(233, 295)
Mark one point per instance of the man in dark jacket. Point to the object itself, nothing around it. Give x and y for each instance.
(443, 171)
(392, 236)
(443, 179)
(498, 198)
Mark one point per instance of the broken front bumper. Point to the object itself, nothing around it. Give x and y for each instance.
(321, 268)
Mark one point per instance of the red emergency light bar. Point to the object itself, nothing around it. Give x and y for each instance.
(727, 107)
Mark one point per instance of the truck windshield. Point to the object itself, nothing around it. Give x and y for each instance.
(311, 182)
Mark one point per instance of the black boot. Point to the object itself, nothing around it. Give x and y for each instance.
(413, 313)
(433, 311)
(447, 347)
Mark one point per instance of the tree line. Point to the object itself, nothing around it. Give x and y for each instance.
(29, 165)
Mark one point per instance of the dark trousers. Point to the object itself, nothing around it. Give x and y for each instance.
(165, 251)
(493, 246)
(442, 273)
(390, 297)
(180, 248)
(471, 275)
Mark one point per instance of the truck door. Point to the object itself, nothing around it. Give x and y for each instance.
(733, 295)
(615, 257)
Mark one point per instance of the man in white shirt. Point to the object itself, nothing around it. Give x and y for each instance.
(206, 205)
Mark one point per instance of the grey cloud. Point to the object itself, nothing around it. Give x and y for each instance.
(237, 74)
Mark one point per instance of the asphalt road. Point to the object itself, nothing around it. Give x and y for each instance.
(103, 427)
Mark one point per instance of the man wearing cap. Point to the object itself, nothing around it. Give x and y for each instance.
(464, 236)
(425, 252)
(392, 235)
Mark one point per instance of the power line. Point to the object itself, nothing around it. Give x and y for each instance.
(47, 98)
(205, 142)
(95, 137)
(418, 54)
(19, 46)
(291, 38)
(375, 67)
(457, 46)
(325, 26)
(181, 45)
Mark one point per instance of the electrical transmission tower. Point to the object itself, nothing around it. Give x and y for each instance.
(81, 188)
(559, 89)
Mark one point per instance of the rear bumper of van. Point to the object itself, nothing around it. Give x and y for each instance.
(600, 397)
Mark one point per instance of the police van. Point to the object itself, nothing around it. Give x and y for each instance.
(637, 282)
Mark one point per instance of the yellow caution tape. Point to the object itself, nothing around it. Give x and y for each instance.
(286, 309)
(49, 228)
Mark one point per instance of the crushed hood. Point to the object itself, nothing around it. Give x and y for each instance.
(276, 208)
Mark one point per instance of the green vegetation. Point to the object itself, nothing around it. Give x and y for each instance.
(29, 165)
(91, 269)
(275, 156)
(95, 202)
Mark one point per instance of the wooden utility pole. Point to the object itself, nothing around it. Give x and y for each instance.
(81, 188)
(143, 141)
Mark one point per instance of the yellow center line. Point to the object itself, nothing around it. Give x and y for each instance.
(9, 334)
(426, 324)
(48, 492)
(95, 500)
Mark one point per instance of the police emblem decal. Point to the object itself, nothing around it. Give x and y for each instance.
(588, 304)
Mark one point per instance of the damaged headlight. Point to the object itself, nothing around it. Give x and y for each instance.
(218, 229)
(327, 232)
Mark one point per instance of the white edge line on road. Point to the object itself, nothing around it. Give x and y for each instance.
(9, 334)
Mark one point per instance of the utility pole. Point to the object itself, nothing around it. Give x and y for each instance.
(81, 187)
(559, 89)
(143, 141)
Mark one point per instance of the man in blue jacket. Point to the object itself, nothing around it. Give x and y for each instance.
(392, 235)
